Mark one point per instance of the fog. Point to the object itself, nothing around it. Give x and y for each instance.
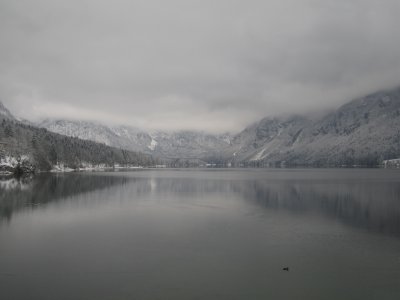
(201, 65)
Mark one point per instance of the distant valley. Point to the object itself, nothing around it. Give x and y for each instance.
(364, 131)
(162, 144)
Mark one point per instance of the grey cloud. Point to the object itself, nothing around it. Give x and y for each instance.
(211, 65)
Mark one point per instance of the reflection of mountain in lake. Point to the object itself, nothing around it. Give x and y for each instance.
(369, 203)
(32, 192)
(374, 206)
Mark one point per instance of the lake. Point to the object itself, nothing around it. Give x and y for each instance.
(201, 234)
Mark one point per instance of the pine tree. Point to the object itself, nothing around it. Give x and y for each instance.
(8, 131)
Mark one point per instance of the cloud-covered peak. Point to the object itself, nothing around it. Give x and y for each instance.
(204, 65)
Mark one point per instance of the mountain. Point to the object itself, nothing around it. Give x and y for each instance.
(364, 131)
(124, 137)
(169, 145)
(261, 139)
(5, 113)
(189, 144)
(25, 148)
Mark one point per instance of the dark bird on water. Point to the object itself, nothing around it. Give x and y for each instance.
(286, 269)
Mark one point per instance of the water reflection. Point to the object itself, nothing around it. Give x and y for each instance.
(23, 193)
(371, 204)
(375, 207)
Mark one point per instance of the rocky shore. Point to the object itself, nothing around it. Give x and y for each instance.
(16, 165)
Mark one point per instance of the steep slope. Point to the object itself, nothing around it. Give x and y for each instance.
(268, 137)
(180, 144)
(363, 132)
(5, 113)
(124, 137)
(24, 148)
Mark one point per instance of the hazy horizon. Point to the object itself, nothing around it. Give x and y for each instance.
(312, 115)
(193, 65)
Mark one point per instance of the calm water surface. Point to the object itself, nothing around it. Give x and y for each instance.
(202, 234)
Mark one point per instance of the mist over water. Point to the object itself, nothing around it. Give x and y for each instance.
(202, 234)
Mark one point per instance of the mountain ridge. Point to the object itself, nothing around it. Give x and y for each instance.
(25, 149)
(5, 113)
(163, 144)
(363, 131)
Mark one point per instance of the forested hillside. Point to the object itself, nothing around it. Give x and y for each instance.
(41, 150)
(364, 132)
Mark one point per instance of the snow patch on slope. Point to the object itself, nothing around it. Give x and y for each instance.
(153, 144)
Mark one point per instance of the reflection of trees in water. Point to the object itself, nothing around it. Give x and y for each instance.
(12, 183)
(365, 204)
(373, 205)
(25, 193)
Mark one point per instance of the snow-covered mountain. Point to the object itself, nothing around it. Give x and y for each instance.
(180, 144)
(189, 144)
(124, 137)
(5, 113)
(25, 148)
(363, 131)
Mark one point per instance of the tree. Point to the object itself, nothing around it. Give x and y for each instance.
(8, 131)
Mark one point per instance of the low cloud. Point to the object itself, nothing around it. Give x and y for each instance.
(204, 65)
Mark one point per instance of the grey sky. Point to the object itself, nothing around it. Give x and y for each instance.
(211, 65)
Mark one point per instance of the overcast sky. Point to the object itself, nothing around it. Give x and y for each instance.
(204, 65)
